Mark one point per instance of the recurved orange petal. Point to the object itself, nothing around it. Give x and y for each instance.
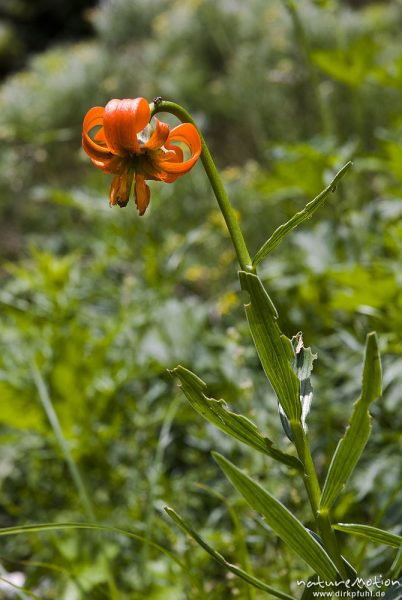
(100, 136)
(95, 151)
(142, 194)
(188, 134)
(122, 120)
(93, 118)
(158, 137)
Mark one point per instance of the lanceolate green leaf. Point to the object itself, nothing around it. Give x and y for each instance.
(281, 520)
(357, 433)
(238, 426)
(371, 533)
(274, 349)
(298, 218)
(257, 583)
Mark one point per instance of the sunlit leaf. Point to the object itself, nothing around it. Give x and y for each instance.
(274, 349)
(299, 218)
(373, 534)
(281, 520)
(357, 433)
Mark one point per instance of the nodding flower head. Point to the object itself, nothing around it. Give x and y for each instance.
(128, 147)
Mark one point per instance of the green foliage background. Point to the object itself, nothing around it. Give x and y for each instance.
(103, 303)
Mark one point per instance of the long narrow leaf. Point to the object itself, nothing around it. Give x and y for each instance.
(43, 527)
(51, 414)
(396, 567)
(238, 426)
(357, 433)
(274, 349)
(22, 590)
(298, 218)
(281, 520)
(374, 534)
(257, 583)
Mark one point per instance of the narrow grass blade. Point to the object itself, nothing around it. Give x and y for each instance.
(299, 218)
(357, 433)
(396, 567)
(78, 480)
(237, 426)
(374, 534)
(58, 432)
(23, 592)
(43, 527)
(222, 561)
(274, 349)
(281, 520)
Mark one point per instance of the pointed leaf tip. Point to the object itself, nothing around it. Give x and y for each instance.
(373, 534)
(351, 446)
(283, 230)
(372, 375)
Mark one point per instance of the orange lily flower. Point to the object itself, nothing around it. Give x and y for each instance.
(127, 147)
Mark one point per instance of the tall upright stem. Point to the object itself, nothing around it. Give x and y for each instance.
(310, 476)
(314, 494)
(228, 213)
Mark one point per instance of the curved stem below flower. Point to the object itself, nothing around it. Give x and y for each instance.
(225, 206)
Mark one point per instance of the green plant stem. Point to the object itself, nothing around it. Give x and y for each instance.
(310, 476)
(312, 486)
(215, 180)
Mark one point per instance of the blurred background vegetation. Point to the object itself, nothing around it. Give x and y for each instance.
(101, 303)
